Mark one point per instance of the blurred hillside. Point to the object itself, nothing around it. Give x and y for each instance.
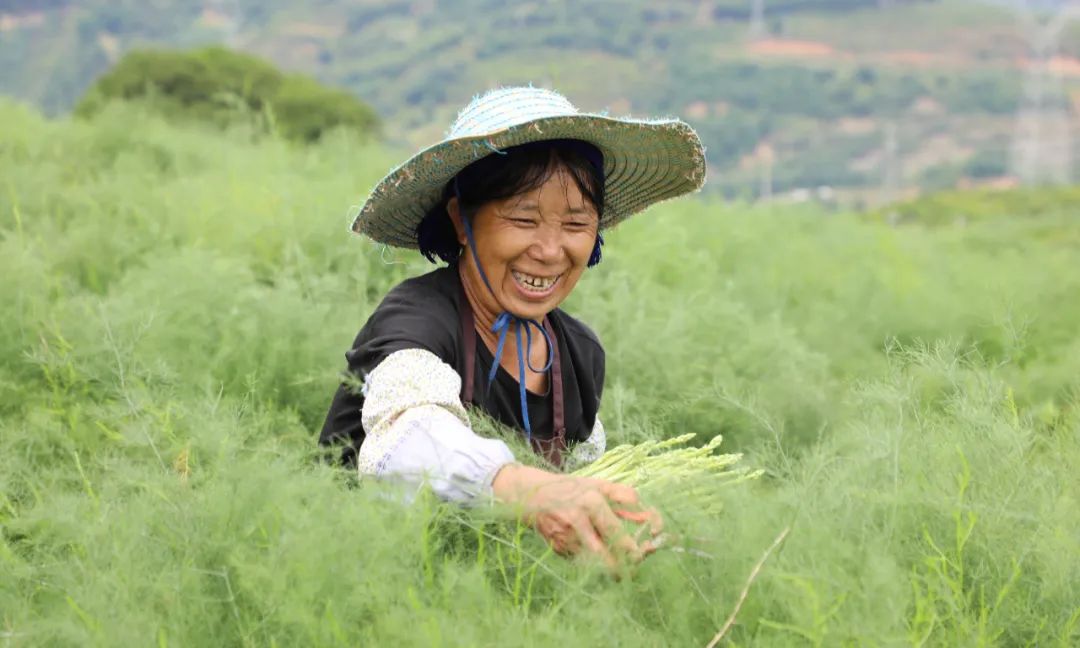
(853, 100)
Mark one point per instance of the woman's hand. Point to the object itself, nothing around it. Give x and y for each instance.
(576, 514)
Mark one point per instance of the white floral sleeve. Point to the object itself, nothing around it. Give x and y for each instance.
(417, 430)
(590, 449)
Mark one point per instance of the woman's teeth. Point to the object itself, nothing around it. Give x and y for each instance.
(533, 283)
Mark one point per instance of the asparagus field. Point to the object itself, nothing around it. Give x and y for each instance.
(177, 303)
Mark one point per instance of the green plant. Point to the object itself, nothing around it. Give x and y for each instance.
(225, 88)
(177, 302)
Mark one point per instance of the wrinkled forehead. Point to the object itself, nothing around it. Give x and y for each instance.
(559, 190)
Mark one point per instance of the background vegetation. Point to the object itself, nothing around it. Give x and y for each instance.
(814, 91)
(221, 87)
(177, 302)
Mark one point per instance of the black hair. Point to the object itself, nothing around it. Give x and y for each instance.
(514, 171)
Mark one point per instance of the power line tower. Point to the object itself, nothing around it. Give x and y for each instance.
(1042, 138)
(757, 19)
(890, 162)
(766, 156)
(703, 17)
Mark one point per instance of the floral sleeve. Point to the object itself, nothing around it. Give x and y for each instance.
(418, 431)
(591, 448)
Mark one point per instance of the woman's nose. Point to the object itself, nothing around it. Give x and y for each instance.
(547, 245)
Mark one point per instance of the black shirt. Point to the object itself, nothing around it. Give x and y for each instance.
(424, 313)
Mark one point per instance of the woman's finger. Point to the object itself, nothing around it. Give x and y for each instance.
(592, 542)
(638, 517)
(620, 493)
(627, 546)
(651, 518)
(612, 531)
(629, 506)
(656, 522)
(650, 546)
(645, 546)
(556, 528)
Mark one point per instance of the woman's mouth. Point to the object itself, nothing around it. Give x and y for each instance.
(535, 285)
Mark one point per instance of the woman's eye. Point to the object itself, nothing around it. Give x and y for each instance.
(522, 221)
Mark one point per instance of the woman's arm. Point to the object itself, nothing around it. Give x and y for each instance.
(418, 430)
(418, 433)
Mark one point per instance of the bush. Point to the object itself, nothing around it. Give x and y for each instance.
(987, 163)
(946, 207)
(225, 88)
(305, 109)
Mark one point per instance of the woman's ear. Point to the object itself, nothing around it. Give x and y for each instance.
(454, 210)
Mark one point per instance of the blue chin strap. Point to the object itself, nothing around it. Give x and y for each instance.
(501, 327)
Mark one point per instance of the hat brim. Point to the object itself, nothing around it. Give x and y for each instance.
(645, 162)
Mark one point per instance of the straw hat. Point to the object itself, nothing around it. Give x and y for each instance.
(645, 160)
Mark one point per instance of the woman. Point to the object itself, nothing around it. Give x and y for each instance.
(514, 200)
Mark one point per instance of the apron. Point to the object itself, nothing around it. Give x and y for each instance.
(551, 449)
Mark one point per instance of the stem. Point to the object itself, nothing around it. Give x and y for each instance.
(746, 588)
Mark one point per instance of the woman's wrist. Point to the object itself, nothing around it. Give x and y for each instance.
(514, 482)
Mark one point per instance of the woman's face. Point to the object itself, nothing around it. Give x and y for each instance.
(533, 246)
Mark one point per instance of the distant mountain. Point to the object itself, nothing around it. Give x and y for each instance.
(838, 99)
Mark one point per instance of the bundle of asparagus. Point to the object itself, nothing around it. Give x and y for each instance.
(657, 469)
(658, 466)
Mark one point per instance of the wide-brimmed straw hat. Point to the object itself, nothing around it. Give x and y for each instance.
(646, 161)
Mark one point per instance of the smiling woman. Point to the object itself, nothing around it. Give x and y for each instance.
(514, 200)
